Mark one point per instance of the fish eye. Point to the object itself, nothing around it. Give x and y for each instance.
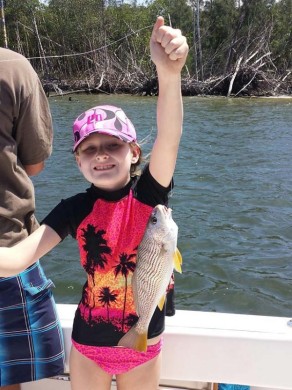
(154, 220)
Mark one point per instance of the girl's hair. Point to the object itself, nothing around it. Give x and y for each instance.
(135, 168)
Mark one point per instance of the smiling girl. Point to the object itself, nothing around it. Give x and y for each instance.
(108, 221)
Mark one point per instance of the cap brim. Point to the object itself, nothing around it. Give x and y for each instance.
(109, 132)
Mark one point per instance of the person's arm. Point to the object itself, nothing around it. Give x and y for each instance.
(17, 258)
(33, 127)
(34, 169)
(169, 51)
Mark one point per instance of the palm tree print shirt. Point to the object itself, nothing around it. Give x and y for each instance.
(109, 227)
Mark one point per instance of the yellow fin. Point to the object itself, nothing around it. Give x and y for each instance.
(177, 260)
(161, 302)
(133, 339)
(180, 256)
(141, 342)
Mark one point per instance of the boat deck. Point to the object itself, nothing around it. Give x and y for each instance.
(63, 383)
(202, 348)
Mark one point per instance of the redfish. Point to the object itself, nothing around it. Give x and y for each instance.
(157, 256)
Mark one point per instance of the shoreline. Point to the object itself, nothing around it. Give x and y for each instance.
(70, 93)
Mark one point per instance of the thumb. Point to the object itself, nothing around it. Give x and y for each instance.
(159, 23)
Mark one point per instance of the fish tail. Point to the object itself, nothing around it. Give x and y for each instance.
(133, 339)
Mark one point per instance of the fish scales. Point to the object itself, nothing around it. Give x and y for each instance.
(145, 281)
(156, 257)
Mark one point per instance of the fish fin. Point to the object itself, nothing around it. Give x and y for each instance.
(161, 302)
(177, 259)
(180, 256)
(141, 343)
(134, 340)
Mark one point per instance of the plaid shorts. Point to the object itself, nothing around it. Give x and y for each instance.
(31, 341)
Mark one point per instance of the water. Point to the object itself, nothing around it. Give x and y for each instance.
(232, 200)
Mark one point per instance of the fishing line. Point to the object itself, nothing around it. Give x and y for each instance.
(86, 52)
(94, 50)
(90, 51)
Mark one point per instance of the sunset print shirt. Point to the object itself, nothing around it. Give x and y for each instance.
(109, 227)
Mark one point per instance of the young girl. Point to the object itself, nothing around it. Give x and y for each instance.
(109, 221)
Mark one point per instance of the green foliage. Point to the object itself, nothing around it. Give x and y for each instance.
(281, 40)
(217, 32)
(95, 38)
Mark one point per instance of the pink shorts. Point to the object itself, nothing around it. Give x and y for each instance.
(118, 360)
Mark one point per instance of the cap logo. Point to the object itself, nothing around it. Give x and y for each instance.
(94, 118)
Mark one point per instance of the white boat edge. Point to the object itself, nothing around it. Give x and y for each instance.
(201, 349)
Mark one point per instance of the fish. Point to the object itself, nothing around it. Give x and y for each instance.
(157, 257)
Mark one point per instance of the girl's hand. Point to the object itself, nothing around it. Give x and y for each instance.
(168, 47)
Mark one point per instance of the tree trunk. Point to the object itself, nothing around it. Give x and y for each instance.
(4, 25)
(233, 76)
(199, 47)
(41, 50)
(197, 40)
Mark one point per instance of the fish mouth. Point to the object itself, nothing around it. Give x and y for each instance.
(166, 211)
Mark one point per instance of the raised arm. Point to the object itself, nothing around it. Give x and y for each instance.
(169, 51)
(17, 258)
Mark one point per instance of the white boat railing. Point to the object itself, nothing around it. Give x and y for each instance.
(202, 348)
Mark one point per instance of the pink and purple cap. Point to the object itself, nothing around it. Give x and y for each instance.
(105, 119)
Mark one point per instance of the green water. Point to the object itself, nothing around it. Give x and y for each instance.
(232, 200)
